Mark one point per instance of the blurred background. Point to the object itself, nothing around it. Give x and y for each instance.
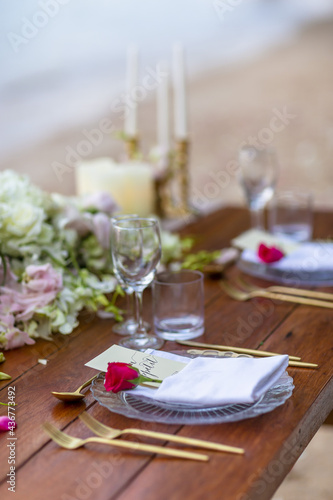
(63, 66)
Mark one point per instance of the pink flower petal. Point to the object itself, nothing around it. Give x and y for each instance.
(269, 254)
(6, 424)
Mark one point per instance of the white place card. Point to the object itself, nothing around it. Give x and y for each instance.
(149, 365)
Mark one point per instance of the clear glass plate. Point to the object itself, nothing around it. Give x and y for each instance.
(309, 273)
(142, 408)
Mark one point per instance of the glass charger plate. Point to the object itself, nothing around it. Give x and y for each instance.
(143, 408)
(307, 272)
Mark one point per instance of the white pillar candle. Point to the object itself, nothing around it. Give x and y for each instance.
(131, 127)
(132, 187)
(180, 109)
(139, 194)
(90, 174)
(163, 137)
(130, 184)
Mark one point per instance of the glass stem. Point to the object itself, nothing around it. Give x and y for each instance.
(131, 309)
(141, 329)
(257, 218)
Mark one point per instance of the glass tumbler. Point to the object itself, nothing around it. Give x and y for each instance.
(291, 215)
(178, 305)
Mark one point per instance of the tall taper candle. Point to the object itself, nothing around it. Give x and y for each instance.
(180, 108)
(130, 127)
(163, 137)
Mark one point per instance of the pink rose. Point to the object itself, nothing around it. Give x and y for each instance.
(14, 336)
(269, 254)
(42, 279)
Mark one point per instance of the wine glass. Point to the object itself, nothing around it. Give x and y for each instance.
(130, 325)
(258, 175)
(136, 252)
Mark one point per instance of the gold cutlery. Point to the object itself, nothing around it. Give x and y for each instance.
(111, 433)
(72, 443)
(301, 292)
(239, 350)
(243, 296)
(73, 396)
(299, 364)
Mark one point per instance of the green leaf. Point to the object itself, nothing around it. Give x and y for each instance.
(4, 376)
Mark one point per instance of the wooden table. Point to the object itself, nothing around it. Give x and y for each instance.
(272, 441)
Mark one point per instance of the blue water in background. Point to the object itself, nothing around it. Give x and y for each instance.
(71, 70)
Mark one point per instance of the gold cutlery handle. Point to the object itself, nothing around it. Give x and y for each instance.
(184, 440)
(301, 292)
(88, 382)
(149, 448)
(291, 298)
(302, 364)
(239, 350)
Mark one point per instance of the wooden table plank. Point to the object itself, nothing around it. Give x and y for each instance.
(69, 360)
(273, 440)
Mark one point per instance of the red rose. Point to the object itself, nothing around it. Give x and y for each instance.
(122, 376)
(269, 254)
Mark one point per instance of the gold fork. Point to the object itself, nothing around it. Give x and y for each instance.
(111, 433)
(243, 296)
(284, 289)
(72, 443)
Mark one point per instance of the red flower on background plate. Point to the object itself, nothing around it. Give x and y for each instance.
(269, 254)
(123, 376)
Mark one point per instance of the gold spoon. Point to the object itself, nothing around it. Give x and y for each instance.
(73, 396)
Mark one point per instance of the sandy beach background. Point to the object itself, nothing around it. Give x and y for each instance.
(228, 104)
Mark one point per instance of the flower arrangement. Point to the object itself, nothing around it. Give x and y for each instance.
(55, 260)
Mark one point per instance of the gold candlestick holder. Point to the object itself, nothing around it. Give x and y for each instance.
(169, 203)
(163, 198)
(181, 173)
(132, 147)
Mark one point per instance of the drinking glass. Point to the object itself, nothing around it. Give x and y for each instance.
(258, 174)
(291, 214)
(136, 252)
(178, 304)
(130, 325)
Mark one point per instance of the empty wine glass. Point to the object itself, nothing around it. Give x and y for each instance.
(130, 325)
(258, 175)
(136, 252)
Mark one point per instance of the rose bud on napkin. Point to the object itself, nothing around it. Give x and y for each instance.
(123, 376)
(269, 254)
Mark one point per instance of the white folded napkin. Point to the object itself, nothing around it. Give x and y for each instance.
(313, 256)
(207, 382)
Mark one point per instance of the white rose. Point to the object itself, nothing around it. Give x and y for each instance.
(22, 219)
